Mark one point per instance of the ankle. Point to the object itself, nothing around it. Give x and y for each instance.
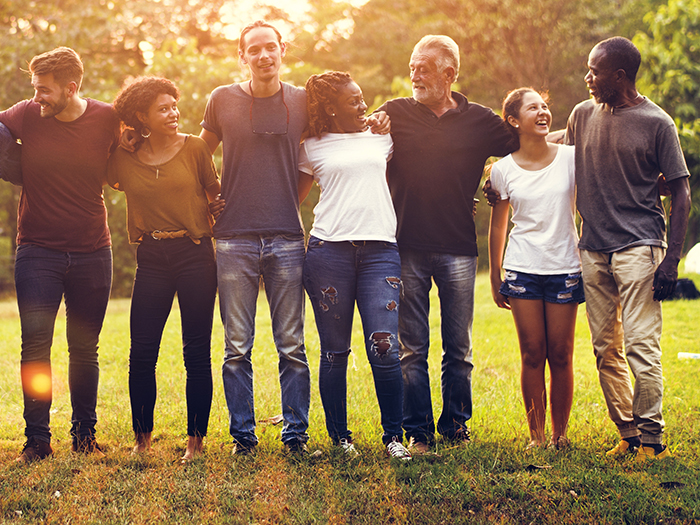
(634, 441)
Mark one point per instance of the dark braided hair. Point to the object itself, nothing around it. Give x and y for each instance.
(321, 92)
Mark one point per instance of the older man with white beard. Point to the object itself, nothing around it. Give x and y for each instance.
(441, 142)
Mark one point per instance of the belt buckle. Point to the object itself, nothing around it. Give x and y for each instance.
(153, 234)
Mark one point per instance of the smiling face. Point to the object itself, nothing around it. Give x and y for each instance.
(430, 85)
(50, 95)
(601, 78)
(349, 110)
(262, 53)
(534, 117)
(163, 116)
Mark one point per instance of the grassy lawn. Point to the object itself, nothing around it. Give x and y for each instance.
(490, 480)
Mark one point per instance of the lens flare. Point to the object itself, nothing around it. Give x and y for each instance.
(41, 384)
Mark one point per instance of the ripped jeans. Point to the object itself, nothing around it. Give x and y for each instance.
(336, 275)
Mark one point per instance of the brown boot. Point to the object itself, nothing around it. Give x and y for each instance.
(87, 445)
(34, 449)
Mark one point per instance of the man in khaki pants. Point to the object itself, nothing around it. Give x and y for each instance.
(623, 143)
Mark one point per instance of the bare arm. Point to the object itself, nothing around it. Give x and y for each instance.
(557, 136)
(498, 227)
(666, 274)
(211, 139)
(305, 183)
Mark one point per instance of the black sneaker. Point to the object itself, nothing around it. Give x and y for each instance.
(243, 448)
(87, 445)
(296, 446)
(463, 435)
(34, 450)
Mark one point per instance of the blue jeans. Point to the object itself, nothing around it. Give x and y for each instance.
(165, 268)
(336, 275)
(279, 260)
(42, 278)
(454, 276)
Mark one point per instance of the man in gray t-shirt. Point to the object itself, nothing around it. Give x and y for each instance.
(624, 142)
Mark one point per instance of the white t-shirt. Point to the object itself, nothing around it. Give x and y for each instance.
(543, 239)
(355, 203)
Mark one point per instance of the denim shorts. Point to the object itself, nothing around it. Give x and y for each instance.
(561, 288)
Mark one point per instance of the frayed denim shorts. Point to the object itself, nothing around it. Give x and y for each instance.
(561, 288)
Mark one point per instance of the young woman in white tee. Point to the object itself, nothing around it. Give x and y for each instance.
(541, 284)
(352, 255)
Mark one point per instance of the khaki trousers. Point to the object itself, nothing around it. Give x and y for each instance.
(620, 308)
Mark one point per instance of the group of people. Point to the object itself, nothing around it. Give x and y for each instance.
(395, 214)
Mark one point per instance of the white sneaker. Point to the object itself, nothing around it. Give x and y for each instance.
(348, 448)
(396, 450)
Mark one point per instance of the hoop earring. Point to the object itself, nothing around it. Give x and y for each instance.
(144, 134)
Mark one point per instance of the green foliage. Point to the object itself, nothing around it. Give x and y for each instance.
(504, 44)
(670, 76)
(493, 480)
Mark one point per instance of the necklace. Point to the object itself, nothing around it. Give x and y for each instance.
(158, 164)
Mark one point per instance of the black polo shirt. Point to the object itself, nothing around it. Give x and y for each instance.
(436, 170)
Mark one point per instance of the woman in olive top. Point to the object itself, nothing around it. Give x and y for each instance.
(168, 183)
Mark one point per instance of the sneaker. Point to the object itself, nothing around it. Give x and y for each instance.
(644, 453)
(296, 446)
(621, 449)
(87, 445)
(396, 450)
(418, 448)
(348, 448)
(242, 448)
(33, 450)
(462, 435)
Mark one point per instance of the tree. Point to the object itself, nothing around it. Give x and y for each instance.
(670, 76)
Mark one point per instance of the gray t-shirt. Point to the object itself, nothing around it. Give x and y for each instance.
(259, 177)
(619, 156)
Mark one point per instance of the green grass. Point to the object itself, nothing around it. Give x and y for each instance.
(490, 481)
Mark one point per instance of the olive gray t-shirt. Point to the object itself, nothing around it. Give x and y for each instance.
(259, 177)
(619, 156)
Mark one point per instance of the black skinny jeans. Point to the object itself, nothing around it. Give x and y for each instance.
(164, 268)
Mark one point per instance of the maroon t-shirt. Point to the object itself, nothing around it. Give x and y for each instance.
(64, 166)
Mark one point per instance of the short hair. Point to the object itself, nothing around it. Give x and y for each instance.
(448, 51)
(513, 103)
(62, 62)
(321, 91)
(621, 53)
(247, 29)
(137, 96)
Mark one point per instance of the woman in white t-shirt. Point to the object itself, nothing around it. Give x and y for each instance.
(352, 256)
(542, 284)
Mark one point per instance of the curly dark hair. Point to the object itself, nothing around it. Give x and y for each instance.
(138, 95)
(512, 104)
(322, 91)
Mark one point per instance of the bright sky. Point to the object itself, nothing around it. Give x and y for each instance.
(246, 11)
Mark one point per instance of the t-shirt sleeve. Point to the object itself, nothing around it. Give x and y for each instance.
(304, 162)
(13, 118)
(671, 159)
(569, 133)
(502, 140)
(113, 169)
(210, 122)
(207, 170)
(498, 182)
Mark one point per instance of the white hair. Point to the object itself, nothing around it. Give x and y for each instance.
(447, 51)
